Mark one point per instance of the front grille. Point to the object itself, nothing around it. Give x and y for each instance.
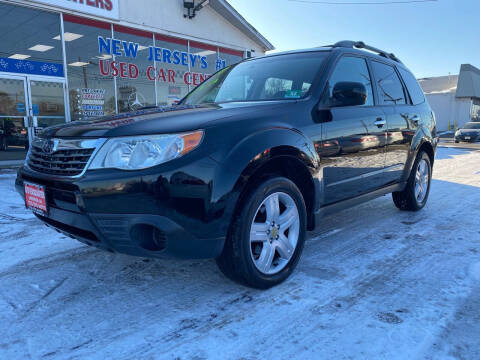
(67, 158)
(62, 162)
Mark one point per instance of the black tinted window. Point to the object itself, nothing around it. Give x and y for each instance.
(350, 69)
(389, 87)
(415, 91)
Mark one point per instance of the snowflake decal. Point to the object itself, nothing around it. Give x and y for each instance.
(49, 68)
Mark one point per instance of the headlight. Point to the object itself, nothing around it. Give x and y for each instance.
(140, 152)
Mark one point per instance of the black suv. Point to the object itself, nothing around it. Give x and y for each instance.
(244, 164)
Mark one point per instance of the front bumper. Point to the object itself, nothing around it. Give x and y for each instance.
(471, 138)
(145, 214)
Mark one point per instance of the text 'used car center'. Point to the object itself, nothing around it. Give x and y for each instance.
(66, 60)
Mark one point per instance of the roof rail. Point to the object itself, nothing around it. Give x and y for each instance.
(362, 45)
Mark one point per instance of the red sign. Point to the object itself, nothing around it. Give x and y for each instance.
(127, 70)
(35, 198)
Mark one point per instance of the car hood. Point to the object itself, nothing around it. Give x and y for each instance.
(160, 120)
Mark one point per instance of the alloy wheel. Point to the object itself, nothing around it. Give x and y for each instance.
(422, 178)
(274, 233)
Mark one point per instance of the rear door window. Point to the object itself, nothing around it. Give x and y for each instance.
(414, 89)
(389, 86)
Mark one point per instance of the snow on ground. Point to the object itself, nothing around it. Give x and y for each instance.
(373, 283)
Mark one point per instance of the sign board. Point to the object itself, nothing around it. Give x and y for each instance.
(90, 102)
(104, 8)
(31, 67)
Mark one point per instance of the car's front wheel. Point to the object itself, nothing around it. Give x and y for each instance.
(266, 236)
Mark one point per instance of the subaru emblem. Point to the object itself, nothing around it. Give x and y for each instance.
(49, 146)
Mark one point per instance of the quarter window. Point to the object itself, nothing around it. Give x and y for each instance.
(350, 69)
(415, 91)
(389, 87)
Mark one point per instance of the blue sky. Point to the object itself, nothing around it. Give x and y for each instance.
(431, 38)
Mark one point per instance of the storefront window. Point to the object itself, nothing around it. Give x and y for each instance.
(91, 92)
(13, 134)
(204, 62)
(172, 69)
(48, 100)
(134, 89)
(28, 36)
(230, 57)
(30, 46)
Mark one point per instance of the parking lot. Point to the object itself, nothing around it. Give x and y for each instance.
(373, 283)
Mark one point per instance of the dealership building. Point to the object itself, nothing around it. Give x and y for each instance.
(455, 99)
(67, 60)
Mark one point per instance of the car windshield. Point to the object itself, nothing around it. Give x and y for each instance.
(472, 126)
(281, 77)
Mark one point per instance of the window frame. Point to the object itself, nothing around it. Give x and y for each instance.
(406, 87)
(332, 70)
(406, 95)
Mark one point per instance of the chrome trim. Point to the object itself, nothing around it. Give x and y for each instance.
(372, 173)
(68, 144)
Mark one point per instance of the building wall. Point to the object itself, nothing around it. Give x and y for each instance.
(166, 16)
(450, 110)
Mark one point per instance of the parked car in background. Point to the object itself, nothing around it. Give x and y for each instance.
(244, 165)
(12, 133)
(470, 132)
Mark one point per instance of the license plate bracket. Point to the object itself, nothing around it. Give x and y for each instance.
(35, 198)
(467, 137)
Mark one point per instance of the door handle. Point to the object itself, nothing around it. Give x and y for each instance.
(380, 122)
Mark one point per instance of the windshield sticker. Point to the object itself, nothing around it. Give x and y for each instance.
(293, 94)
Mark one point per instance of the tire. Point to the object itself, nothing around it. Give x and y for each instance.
(456, 141)
(247, 254)
(409, 199)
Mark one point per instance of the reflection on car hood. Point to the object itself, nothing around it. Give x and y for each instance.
(160, 120)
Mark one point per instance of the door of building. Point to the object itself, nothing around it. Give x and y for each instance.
(27, 104)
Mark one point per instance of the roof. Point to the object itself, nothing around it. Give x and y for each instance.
(464, 85)
(468, 82)
(226, 10)
(439, 84)
(342, 49)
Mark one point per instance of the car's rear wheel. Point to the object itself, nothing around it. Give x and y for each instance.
(266, 236)
(415, 195)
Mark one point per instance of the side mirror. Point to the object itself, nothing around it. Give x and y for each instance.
(349, 94)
